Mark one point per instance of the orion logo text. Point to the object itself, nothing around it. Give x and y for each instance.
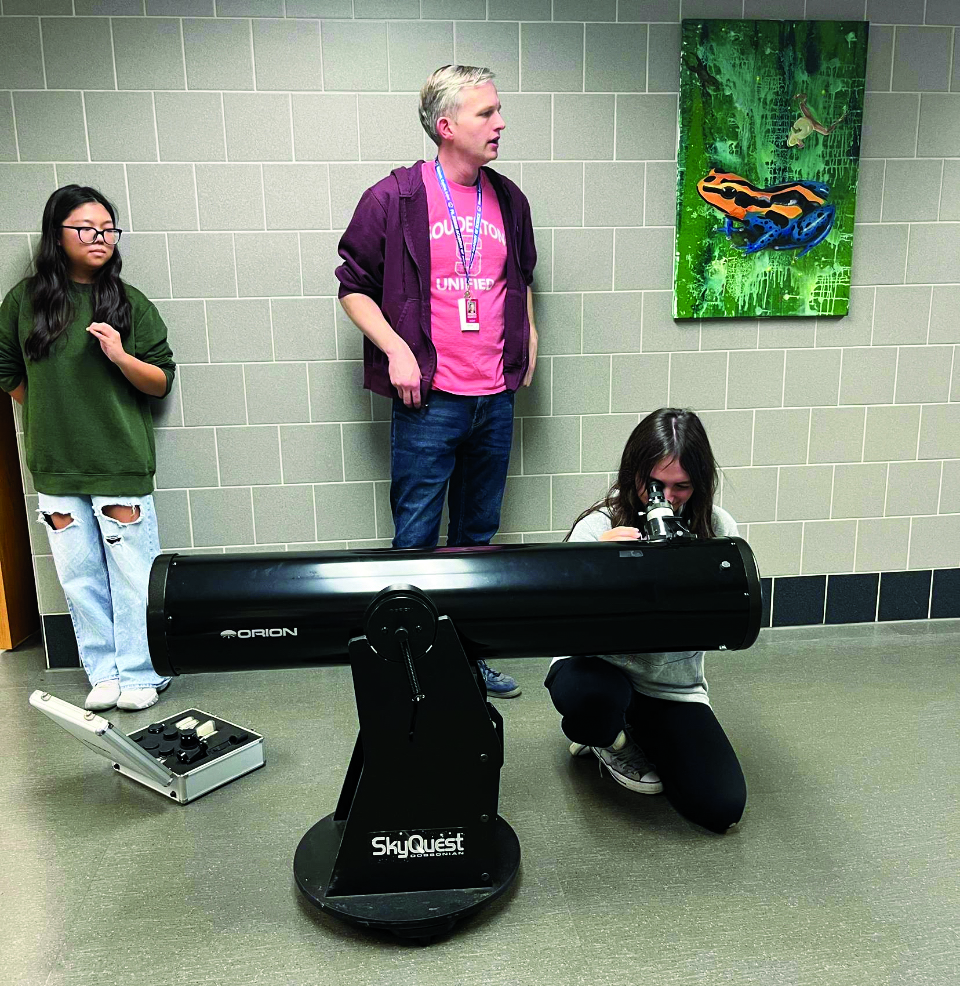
(272, 632)
(416, 845)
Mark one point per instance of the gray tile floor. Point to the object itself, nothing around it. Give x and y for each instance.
(845, 869)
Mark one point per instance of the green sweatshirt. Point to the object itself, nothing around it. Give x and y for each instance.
(87, 429)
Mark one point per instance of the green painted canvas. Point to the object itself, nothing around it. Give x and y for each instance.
(768, 160)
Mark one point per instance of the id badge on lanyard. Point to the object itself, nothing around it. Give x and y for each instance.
(469, 314)
(468, 306)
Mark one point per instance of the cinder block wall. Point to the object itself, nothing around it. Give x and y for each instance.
(236, 136)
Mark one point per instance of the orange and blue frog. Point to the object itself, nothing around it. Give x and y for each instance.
(791, 216)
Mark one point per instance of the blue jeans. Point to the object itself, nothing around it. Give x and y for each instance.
(463, 442)
(104, 567)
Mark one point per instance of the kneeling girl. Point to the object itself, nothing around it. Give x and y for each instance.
(647, 717)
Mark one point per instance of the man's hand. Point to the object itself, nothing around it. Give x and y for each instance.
(532, 347)
(109, 340)
(621, 534)
(531, 358)
(404, 371)
(405, 374)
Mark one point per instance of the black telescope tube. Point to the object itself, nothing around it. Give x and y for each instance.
(243, 612)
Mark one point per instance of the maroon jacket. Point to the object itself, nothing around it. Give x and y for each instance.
(386, 256)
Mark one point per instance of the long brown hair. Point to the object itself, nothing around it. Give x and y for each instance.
(669, 433)
(51, 291)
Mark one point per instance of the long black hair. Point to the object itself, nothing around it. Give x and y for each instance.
(50, 288)
(669, 433)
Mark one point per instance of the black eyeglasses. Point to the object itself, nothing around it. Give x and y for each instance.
(87, 234)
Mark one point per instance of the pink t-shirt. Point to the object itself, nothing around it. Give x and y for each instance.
(468, 363)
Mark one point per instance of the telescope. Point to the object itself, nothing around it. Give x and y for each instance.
(415, 842)
(660, 521)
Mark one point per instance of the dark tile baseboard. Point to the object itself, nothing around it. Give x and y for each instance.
(801, 603)
(790, 600)
(852, 598)
(945, 599)
(806, 600)
(60, 642)
(904, 596)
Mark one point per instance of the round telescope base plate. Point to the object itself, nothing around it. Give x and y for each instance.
(417, 914)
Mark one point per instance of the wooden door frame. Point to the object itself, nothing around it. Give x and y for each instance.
(19, 615)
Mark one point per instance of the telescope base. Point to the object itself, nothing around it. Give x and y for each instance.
(417, 914)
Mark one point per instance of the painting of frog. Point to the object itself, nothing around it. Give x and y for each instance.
(766, 192)
(808, 124)
(789, 216)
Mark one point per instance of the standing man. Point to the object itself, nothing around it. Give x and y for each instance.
(437, 265)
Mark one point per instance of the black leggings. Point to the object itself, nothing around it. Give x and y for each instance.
(701, 775)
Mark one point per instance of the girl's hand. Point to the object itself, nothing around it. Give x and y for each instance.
(621, 534)
(109, 340)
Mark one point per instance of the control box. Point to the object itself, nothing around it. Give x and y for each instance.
(181, 757)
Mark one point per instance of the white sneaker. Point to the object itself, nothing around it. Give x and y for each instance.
(102, 696)
(625, 762)
(581, 749)
(137, 698)
(134, 699)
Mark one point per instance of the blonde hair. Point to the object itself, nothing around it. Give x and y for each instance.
(440, 95)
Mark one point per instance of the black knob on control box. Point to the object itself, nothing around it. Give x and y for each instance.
(189, 756)
(189, 739)
(155, 727)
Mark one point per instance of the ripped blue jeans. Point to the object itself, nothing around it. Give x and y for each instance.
(104, 566)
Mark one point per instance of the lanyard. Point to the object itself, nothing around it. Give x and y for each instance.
(441, 178)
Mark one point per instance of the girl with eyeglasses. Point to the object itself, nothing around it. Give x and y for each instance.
(82, 351)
